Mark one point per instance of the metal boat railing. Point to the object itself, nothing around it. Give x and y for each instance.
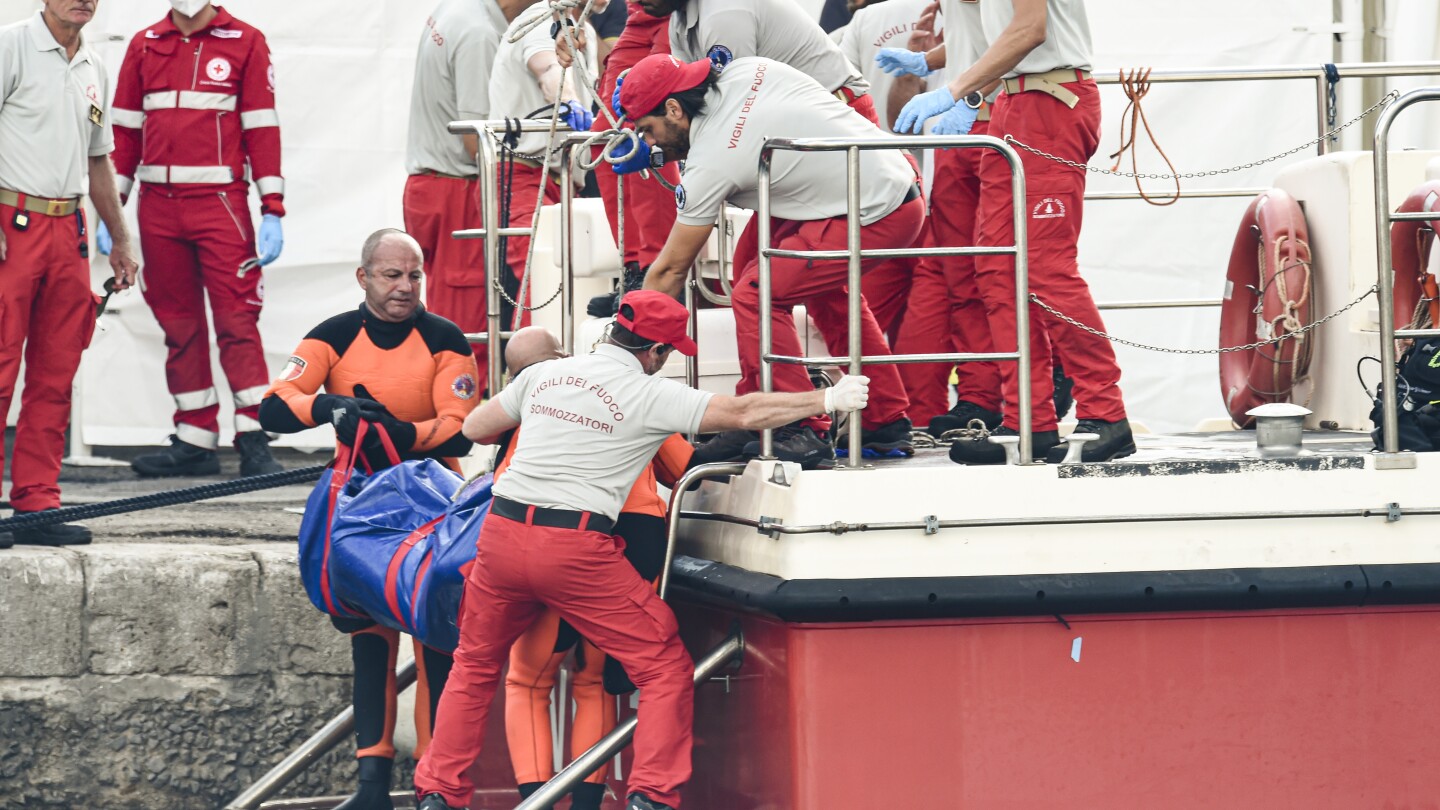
(1391, 456)
(852, 148)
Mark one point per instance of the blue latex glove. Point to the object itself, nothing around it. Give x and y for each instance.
(577, 116)
(615, 97)
(898, 62)
(639, 160)
(957, 121)
(103, 242)
(922, 108)
(272, 239)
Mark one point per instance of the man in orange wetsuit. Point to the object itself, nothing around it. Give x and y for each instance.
(536, 656)
(412, 372)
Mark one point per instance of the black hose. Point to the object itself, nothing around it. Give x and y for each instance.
(158, 499)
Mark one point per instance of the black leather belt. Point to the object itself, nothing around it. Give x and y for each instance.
(912, 194)
(554, 518)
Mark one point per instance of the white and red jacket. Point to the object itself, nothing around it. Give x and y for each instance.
(189, 112)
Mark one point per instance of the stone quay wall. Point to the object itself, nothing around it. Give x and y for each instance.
(161, 675)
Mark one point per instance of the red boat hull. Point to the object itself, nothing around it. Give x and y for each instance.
(1314, 708)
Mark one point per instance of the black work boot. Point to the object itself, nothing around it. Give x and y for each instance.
(54, 534)
(889, 437)
(434, 801)
(254, 449)
(983, 451)
(798, 443)
(6, 540)
(638, 801)
(632, 278)
(374, 792)
(180, 458)
(961, 416)
(728, 445)
(1116, 441)
(587, 796)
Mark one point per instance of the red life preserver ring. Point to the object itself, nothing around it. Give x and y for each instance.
(1410, 246)
(1267, 294)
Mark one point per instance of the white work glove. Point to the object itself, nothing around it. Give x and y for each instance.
(852, 393)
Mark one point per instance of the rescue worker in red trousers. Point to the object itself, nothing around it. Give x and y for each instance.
(55, 141)
(392, 363)
(194, 112)
(442, 194)
(717, 122)
(1040, 51)
(589, 424)
(649, 205)
(526, 79)
(536, 656)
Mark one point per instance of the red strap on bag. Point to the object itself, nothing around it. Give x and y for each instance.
(345, 458)
(392, 598)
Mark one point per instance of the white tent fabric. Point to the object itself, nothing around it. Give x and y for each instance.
(343, 83)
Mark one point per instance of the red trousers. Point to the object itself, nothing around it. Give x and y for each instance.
(524, 184)
(649, 206)
(945, 312)
(820, 286)
(435, 207)
(1055, 198)
(521, 569)
(197, 247)
(47, 312)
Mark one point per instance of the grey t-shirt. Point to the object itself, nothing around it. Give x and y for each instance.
(589, 425)
(774, 29)
(886, 25)
(1067, 35)
(452, 83)
(758, 98)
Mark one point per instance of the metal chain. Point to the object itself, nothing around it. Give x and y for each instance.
(1248, 346)
(1389, 97)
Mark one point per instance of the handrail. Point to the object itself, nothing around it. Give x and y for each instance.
(852, 148)
(677, 497)
(318, 745)
(1391, 456)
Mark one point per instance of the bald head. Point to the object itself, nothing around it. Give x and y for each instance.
(531, 345)
(391, 275)
(388, 244)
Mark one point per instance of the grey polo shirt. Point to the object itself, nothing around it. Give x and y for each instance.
(774, 29)
(588, 426)
(885, 25)
(964, 35)
(1067, 35)
(758, 98)
(452, 83)
(54, 112)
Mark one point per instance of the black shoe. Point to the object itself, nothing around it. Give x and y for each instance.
(961, 416)
(255, 459)
(800, 444)
(1064, 391)
(638, 801)
(727, 445)
(54, 534)
(6, 540)
(434, 801)
(587, 796)
(1116, 441)
(984, 451)
(180, 458)
(374, 792)
(889, 437)
(632, 278)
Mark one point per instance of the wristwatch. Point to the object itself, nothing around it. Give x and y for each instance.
(974, 101)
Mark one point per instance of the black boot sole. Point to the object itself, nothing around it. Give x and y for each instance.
(211, 467)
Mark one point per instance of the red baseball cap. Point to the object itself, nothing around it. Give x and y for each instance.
(653, 315)
(655, 77)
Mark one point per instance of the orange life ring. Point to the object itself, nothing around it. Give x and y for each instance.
(1410, 246)
(1267, 294)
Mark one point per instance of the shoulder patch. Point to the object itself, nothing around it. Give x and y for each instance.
(720, 56)
(464, 387)
(226, 33)
(680, 197)
(293, 369)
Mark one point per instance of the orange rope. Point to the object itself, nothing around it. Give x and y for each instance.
(1136, 84)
